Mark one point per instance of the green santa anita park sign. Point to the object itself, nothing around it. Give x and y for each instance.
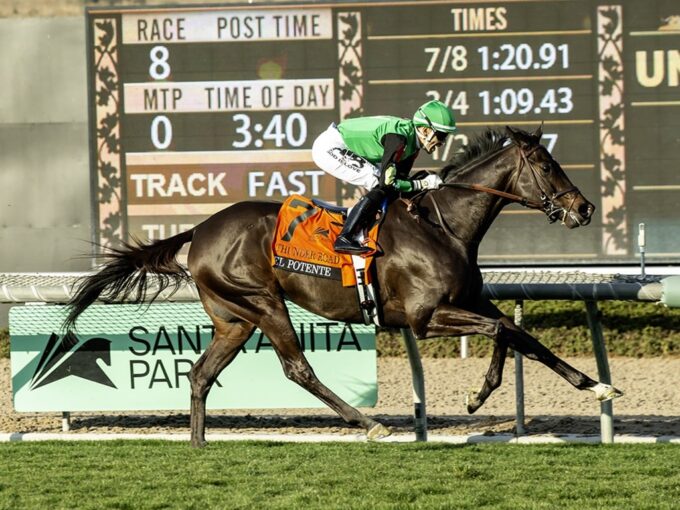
(127, 357)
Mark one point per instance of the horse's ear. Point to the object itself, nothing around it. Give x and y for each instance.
(514, 134)
(539, 132)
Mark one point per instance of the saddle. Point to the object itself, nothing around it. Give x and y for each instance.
(303, 243)
(303, 240)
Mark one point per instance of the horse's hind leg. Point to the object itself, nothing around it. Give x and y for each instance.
(229, 337)
(280, 332)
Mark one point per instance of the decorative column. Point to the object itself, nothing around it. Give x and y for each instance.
(350, 84)
(350, 65)
(612, 157)
(109, 178)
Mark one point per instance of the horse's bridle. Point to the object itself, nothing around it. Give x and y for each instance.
(547, 204)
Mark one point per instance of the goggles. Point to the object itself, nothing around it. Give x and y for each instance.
(439, 135)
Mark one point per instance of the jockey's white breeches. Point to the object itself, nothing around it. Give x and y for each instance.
(333, 157)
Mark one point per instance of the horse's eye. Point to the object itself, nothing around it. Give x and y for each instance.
(545, 167)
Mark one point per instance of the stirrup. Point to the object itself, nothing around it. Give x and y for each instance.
(352, 247)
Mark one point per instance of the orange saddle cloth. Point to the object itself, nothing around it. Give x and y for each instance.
(303, 242)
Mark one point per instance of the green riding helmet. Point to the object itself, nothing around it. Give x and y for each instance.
(436, 115)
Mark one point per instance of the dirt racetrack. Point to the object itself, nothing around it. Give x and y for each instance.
(650, 406)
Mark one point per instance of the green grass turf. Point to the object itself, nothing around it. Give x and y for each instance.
(230, 475)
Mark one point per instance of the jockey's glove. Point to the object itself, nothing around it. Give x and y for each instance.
(403, 186)
(390, 175)
(432, 181)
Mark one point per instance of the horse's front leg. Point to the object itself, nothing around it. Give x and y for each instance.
(448, 320)
(494, 375)
(530, 347)
(492, 380)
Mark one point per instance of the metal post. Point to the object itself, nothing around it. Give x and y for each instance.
(419, 412)
(519, 374)
(65, 421)
(463, 347)
(641, 245)
(606, 408)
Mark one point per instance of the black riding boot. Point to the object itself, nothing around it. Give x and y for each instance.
(361, 215)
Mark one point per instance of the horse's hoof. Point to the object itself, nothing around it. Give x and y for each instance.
(378, 431)
(472, 402)
(605, 392)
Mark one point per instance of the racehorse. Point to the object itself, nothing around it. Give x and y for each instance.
(427, 276)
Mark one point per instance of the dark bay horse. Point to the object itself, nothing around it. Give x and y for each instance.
(428, 278)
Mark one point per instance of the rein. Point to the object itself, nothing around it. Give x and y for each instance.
(475, 187)
(492, 191)
(547, 204)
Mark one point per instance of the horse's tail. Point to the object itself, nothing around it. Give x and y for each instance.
(124, 274)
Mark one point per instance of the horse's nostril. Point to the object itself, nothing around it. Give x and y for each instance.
(585, 210)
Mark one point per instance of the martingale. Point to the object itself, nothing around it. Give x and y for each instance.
(303, 242)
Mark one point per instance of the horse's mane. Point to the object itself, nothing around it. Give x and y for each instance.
(489, 141)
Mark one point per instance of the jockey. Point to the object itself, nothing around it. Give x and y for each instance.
(377, 153)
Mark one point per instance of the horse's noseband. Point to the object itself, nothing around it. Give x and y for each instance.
(552, 210)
